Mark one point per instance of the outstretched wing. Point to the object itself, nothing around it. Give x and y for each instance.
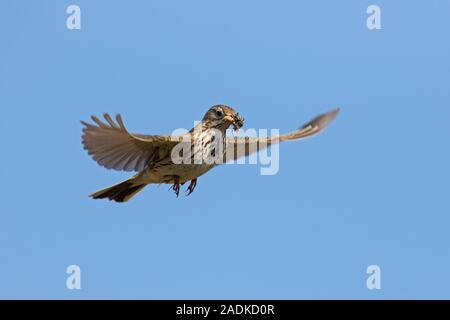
(113, 147)
(237, 147)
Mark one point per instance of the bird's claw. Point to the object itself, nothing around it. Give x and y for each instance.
(176, 186)
(191, 187)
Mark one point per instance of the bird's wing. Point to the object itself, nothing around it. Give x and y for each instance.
(237, 147)
(113, 147)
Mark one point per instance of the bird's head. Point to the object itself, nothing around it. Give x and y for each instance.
(221, 117)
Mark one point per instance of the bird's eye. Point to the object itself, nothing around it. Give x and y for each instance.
(219, 113)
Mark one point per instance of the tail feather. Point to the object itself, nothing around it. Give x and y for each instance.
(120, 192)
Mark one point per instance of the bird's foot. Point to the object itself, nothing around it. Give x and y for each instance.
(176, 185)
(191, 187)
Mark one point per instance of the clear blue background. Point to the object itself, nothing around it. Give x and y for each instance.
(373, 189)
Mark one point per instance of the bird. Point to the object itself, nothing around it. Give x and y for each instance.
(112, 146)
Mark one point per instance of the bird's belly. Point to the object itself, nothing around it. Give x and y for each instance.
(185, 172)
(188, 172)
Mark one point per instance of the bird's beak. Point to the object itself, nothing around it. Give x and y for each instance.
(238, 121)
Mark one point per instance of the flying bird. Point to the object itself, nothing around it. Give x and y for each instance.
(112, 146)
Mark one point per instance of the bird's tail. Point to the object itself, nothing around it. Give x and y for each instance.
(120, 192)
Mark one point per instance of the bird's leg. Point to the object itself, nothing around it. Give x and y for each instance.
(176, 185)
(191, 187)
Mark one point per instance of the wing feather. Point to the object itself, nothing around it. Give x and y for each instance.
(111, 145)
(245, 146)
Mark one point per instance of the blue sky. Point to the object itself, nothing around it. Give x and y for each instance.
(373, 189)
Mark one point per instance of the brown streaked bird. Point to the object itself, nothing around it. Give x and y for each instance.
(113, 147)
